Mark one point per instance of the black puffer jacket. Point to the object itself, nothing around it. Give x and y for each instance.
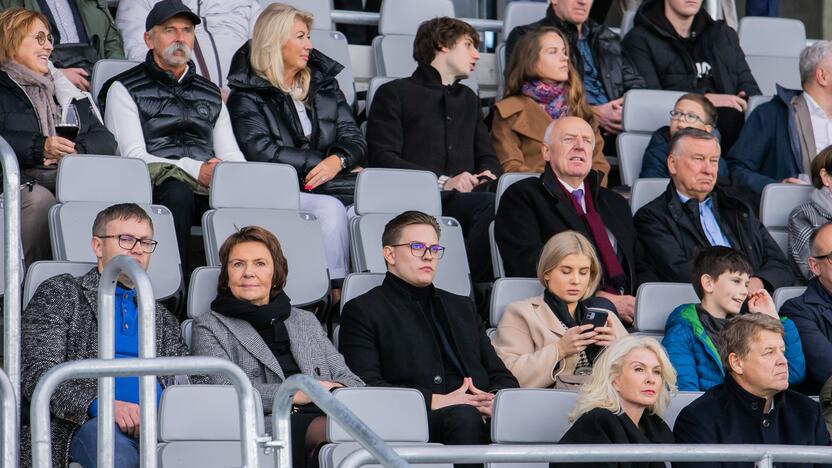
(617, 73)
(267, 125)
(178, 116)
(20, 127)
(663, 60)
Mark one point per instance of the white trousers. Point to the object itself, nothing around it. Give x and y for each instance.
(332, 215)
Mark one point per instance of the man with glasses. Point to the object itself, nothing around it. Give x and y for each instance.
(812, 312)
(694, 213)
(408, 333)
(60, 325)
(783, 136)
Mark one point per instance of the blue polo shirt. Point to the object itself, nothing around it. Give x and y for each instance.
(127, 346)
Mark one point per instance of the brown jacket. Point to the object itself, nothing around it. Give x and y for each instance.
(517, 131)
(526, 341)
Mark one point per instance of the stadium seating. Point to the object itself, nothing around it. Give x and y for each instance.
(754, 102)
(781, 295)
(334, 45)
(778, 201)
(772, 48)
(502, 184)
(655, 302)
(43, 270)
(105, 69)
(646, 190)
(677, 404)
(508, 290)
(321, 11)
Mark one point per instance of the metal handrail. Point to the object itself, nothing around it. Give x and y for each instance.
(763, 455)
(334, 409)
(92, 368)
(13, 275)
(125, 266)
(8, 412)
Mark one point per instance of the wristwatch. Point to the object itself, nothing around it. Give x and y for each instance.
(343, 161)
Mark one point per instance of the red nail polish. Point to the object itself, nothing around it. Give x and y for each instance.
(307, 187)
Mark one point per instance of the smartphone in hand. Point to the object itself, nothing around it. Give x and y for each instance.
(598, 318)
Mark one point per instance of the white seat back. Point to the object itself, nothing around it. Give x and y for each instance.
(772, 49)
(646, 190)
(754, 102)
(778, 201)
(655, 302)
(43, 270)
(508, 290)
(522, 13)
(395, 414)
(647, 110)
(321, 11)
(506, 180)
(356, 284)
(91, 178)
(781, 295)
(677, 404)
(334, 45)
(405, 16)
(255, 185)
(631, 148)
(396, 191)
(373, 86)
(531, 416)
(105, 69)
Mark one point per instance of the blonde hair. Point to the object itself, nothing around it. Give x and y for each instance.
(15, 23)
(599, 391)
(562, 245)
(272, 31)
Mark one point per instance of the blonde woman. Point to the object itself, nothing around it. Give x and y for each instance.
(631, 387)
(286, 107)
(547, 341)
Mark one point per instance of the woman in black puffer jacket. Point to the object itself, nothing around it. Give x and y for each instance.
(286, 107)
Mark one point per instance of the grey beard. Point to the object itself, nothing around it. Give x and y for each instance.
(170, 59)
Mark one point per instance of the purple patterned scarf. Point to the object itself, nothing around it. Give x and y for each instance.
(550, 96)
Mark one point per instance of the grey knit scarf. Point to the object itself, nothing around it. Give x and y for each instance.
(822, 199)
(41, 90)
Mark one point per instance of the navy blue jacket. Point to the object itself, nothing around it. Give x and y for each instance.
(768, 148)
(812, 314)
(727, 414)
(654, 163)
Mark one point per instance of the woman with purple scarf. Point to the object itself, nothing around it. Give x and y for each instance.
(541, 86)
(29, 114)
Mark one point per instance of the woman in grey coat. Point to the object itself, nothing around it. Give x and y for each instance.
(808, 217)
(253, 325)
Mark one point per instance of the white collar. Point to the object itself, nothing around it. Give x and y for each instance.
(571, 188)
(814, 108)
(183, 74)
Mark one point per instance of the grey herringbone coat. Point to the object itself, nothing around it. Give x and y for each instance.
(237, 341)
(59, 325)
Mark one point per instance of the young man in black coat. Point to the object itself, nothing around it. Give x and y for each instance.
(595, 51)
(754, 405)
(568, 196)
(432, 122)
(676, 45)
(407, 333)
(694, 213)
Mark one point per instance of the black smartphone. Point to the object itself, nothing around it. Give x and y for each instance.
(598, 318)
(484, 178)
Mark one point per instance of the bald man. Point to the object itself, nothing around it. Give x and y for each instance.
(568, 196)
(812, 312)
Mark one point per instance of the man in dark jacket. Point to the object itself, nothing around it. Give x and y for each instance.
(754, 405)
(431, 122)
(784, 135)
(568, 196)
(676, 45)
(595, 51)
(165, 114)
(812, 312)
(60, 325)
(408, 333)
(694, 213)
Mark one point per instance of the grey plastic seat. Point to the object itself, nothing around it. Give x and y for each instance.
(405, 16)
(396, 191)
(89, 178)
(522, 13)
(677, 404)
(754, 102)
(199, 427)
(43, 270)
(393, 56)
(655, 302)
(647, 110)
(631, 148)
(501, 63)
(627, 21)
(334, 45)
(646, 190)
(356, 284)
(267, 185)
(772, 49)
(105, 69)
(70, 226)
(321, 11)
(781, 295)
(373, 86)
(778, 201)
(508, 290)
(452, 274)
(506, 180)
(201, 291)
(530, 416)
(299, 234)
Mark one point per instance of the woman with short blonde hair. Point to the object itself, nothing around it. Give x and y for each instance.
(552, 340)
(630, 389)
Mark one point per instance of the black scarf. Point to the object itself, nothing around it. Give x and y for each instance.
(561, 311)
(268, 320)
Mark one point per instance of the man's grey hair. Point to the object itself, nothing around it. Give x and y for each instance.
(690, 132)
(547, 135)
(811, 57)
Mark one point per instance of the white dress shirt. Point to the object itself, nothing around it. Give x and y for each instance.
(821, 124)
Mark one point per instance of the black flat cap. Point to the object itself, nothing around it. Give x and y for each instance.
(167, 9)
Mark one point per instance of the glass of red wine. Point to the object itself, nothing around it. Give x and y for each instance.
(69, 124)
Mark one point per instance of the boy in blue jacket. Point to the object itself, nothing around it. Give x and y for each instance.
(720, 278)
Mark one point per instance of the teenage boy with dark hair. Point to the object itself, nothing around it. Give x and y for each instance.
(719, 276)
(432, 122)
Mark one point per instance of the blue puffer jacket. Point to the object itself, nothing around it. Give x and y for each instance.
(696, 359)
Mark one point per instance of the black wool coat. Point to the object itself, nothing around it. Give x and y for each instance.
(418, 123)
(267, 125)
(535, 209)
(388, 341)
(727, 414)
(602, 426)
(673, 234)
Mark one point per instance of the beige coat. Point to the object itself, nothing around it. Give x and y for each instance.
(517, 131)
(526, 341)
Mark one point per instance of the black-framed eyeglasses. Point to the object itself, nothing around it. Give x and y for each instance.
(685, 117)
(419, 249)
(827, 257)
(128, 242)
(42, 37)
